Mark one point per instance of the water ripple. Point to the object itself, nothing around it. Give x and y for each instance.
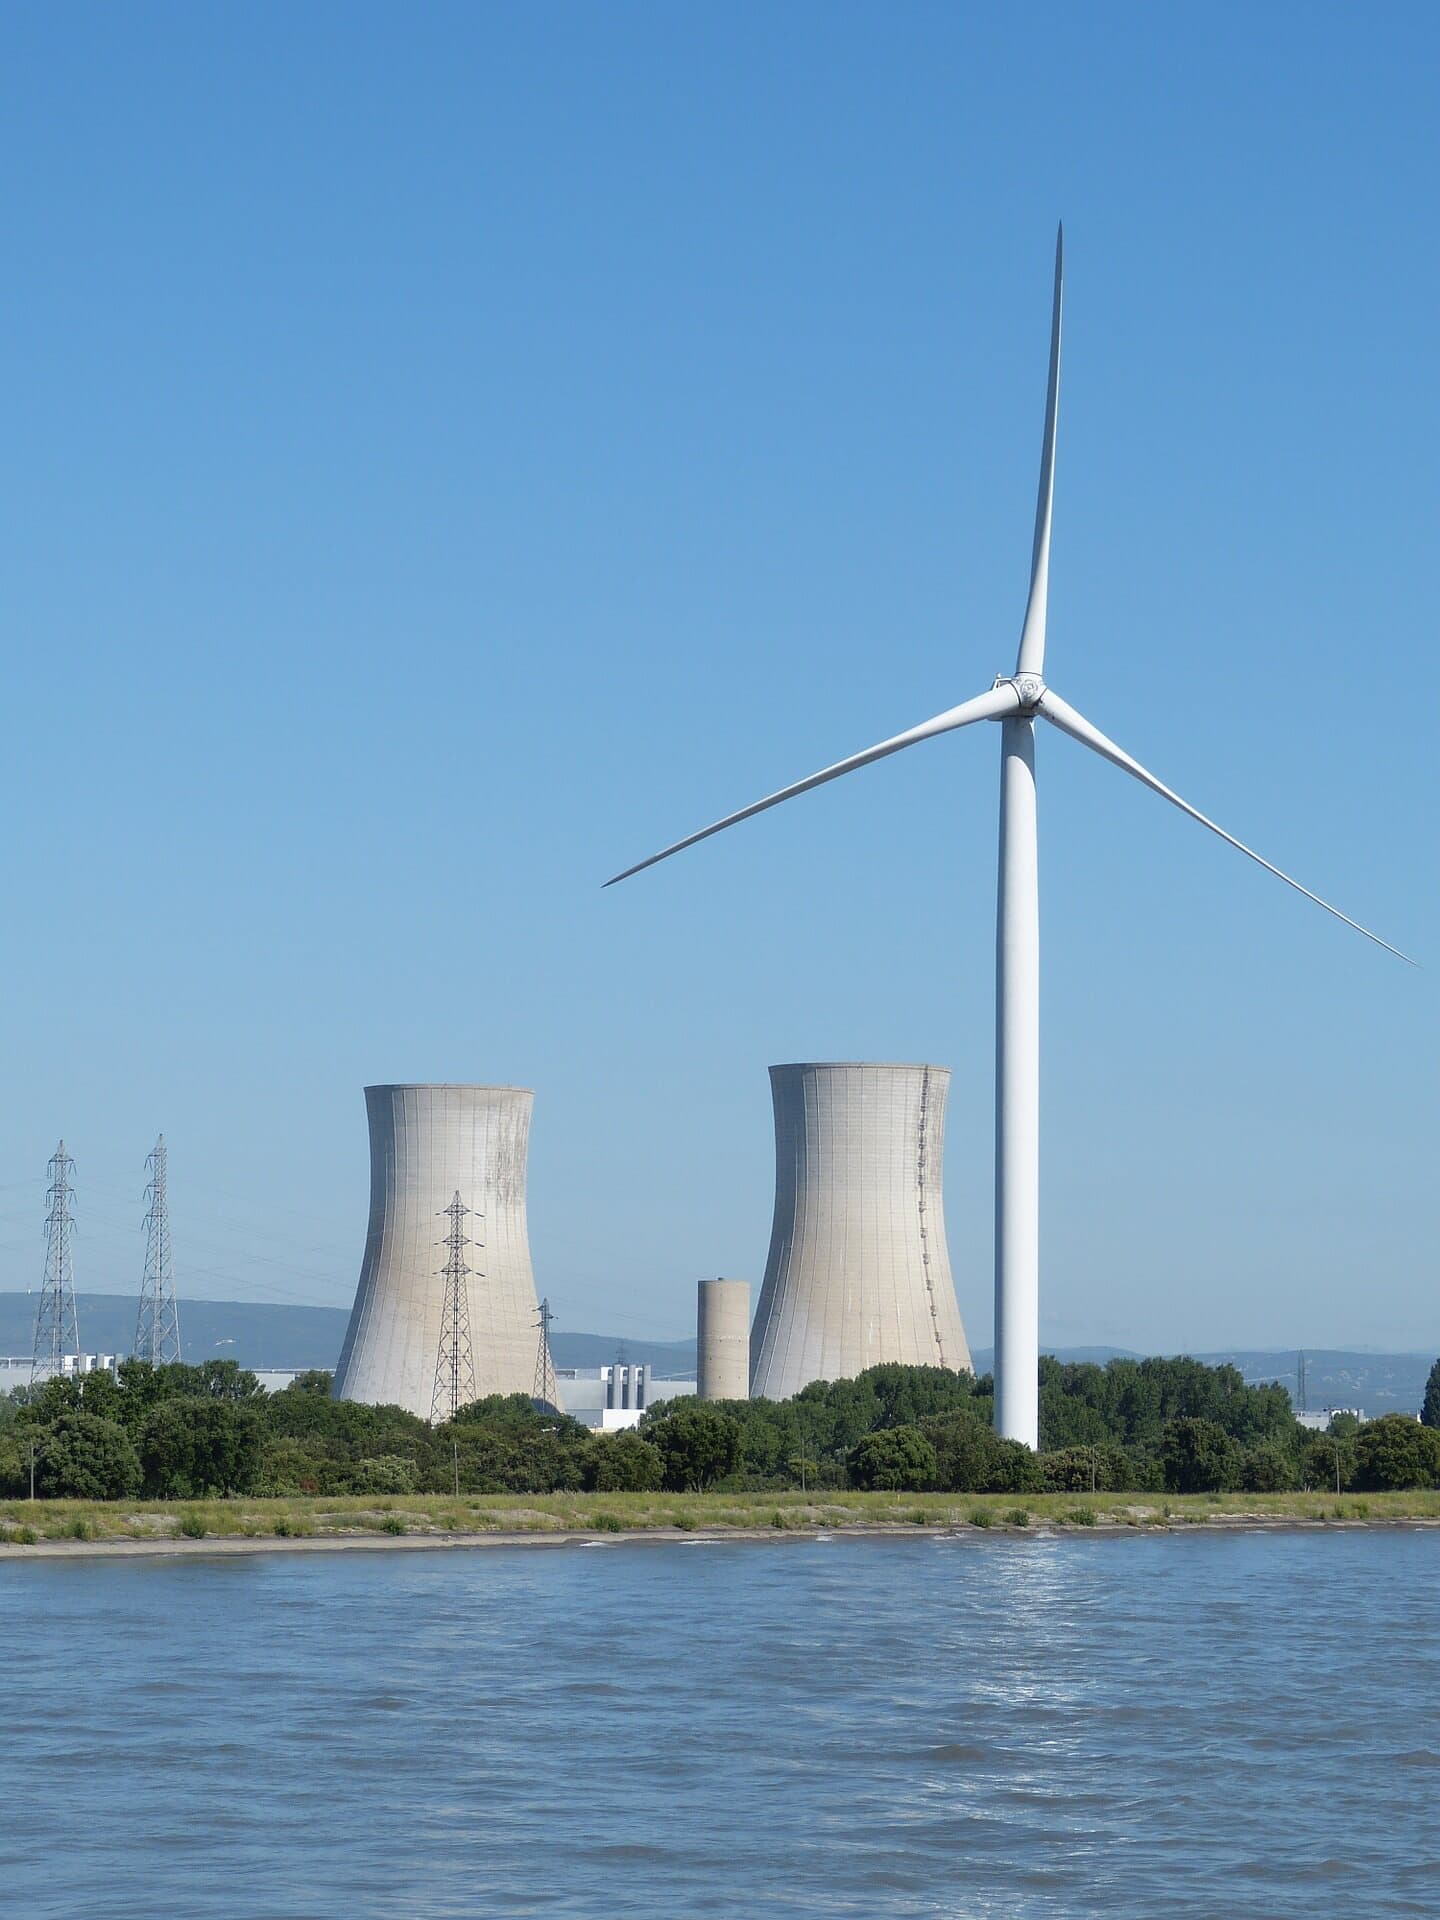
(1015, 1729)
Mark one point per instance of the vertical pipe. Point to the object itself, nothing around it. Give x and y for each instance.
(1017, 1094)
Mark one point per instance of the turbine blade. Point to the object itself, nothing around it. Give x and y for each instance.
(1064, 716)
(985, 706)
(1032, 635)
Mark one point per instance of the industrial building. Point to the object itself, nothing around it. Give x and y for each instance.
(614, 1397)
(858, 1271)
(428, 1143)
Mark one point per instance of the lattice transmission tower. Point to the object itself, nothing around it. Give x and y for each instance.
(157, 1326)
(57, 1325)
(547, 1392)
(455, 1363)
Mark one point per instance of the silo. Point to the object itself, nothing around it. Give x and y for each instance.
(858, 1271)
(722, 1343)
(426, 1144)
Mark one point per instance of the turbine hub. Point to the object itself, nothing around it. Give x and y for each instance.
(1031, 689)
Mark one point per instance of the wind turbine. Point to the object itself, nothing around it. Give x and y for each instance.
(1016, 701)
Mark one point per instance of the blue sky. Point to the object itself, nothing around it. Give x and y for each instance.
(450, 452)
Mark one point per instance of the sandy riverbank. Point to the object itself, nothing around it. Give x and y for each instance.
(123, 1546)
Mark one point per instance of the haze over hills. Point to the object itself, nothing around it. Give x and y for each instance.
(262, 1335)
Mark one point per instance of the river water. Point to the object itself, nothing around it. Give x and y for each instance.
(1190, 1724)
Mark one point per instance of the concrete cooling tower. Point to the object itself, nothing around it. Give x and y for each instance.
(722, 1340)
(426, 1145)
(858, 1271)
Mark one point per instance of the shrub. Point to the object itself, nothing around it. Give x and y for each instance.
(1394, 1453)
(697, 1445)
(82, 1457)
(288, 1468)
(972, 1458)
(1083, 1517)
(1084, 1470)
(1268, 1469)
(894, 1460)
(623, 1463)
(1198, 1456)
(389, 1473)
(192, 1525)
(191, 1448)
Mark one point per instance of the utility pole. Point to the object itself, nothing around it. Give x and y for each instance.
(57, 1326)
(454, 1363)
(157, 1326)
(547, 1392)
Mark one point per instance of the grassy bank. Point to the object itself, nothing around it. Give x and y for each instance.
(23, 1523)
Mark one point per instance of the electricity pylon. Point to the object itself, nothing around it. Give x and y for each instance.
(157, 1326)
(454, 1363)
(546, 1393)
(57, 1325)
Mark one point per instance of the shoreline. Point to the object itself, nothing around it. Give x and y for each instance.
(130, 1547)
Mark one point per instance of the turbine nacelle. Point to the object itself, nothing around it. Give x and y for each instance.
(1029, 691)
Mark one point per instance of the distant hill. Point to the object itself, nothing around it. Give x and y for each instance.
(261, 1335)
(258, 1335)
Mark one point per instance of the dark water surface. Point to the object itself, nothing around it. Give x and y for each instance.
(1195, 1725)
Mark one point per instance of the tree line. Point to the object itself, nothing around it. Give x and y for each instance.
(1145, 1426)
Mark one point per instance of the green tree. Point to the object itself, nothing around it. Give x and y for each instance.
(81, 1457)
(386, 1473)
(972, 1458)
(697, 1444)
(1327, 1461)
(906, 1395)
(289, 1467)
(14, 1464)
(1098, 1469)
(623, 1463)
(1395, 1452)
(1198, 1456)
(191, 1448)
(1430, 1406)
(1268, 1468)
(893, 1460)
(312, 1380)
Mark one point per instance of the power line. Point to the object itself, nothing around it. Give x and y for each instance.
(57, 1325)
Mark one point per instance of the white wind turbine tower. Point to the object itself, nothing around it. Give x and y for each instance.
(1015, 701)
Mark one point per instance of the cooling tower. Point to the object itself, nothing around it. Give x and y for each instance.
(858, 1271)
(427, 1144)
(722, 1342)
